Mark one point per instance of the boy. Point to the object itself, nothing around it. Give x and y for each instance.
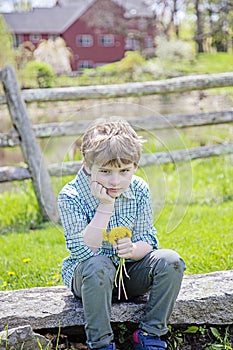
(106, 194)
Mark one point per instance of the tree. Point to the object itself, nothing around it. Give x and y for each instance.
(6, 42)
(199, 31)
(24, 54)
(167, 16)
(213, 24)
(220, 15)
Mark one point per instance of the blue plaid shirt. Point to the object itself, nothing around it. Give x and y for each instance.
(77, 207)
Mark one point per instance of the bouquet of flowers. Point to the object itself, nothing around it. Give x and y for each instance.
(112, 237)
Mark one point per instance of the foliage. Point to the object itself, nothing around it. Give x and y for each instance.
(150, 70)
(24, 54)
(205, 337)
(6, 42)
(130, 66)
(174, 50)
(38, 75)
(55, 53)
(19, 208)
(202, 64)
(213, 21)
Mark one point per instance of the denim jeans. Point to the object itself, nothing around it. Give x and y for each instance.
(160, 273)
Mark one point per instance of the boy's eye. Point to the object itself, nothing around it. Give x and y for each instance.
(124, 170)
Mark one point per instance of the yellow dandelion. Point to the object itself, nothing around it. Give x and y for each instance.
(11, 273)
(50, 283)
(117, 233)
(105, 235)
(113, 236)
(55, 276)
(26, 260)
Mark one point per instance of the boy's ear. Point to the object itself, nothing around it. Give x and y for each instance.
(86, 167)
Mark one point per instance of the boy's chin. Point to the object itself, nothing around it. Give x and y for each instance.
(113, 194)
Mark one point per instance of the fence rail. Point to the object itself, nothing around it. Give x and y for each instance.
(155, 122)
(180, 84)
(8, 174)
(24, 134)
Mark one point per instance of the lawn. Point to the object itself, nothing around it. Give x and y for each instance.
(203, 63)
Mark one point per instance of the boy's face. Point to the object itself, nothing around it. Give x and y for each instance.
(115, 179)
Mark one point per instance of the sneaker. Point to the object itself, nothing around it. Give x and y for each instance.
(144, 341)
(111, 346)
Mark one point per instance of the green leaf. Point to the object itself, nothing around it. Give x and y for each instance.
(216, 333)
(191, 329)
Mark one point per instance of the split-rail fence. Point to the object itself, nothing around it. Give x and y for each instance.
(25, 135)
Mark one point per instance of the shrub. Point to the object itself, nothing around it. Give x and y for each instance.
(174, 50)
(131, 65)
(38, 74)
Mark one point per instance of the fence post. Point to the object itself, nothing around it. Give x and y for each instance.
(31, 150)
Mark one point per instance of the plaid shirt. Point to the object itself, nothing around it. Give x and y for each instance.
(77, 207)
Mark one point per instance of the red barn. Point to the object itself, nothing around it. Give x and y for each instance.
(96, 31)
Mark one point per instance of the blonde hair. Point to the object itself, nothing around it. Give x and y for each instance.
(111, 141)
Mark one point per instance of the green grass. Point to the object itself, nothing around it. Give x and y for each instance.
(212, 63)
(32, 259)
(203, 63)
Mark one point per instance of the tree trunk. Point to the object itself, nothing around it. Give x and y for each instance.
(31, 150)
(199, 31)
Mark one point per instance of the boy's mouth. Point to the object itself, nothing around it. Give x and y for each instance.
(113, 189)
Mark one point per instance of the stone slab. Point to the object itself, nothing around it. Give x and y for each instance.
(203, 299)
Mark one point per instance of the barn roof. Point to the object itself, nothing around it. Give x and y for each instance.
(57, 19)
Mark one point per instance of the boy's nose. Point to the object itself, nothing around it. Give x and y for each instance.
(114, 180)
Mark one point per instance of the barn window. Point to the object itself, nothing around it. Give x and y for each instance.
(84, 40)
(106, 40)
(85, 64)
(35, 38)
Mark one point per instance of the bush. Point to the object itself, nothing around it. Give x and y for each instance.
(38, 74)
(174, 50)
(131, 65)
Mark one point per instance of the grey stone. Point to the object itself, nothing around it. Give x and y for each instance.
(203, 299)
(22, 338)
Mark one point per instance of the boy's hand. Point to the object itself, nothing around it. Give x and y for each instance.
(100, 192)
(125, 248)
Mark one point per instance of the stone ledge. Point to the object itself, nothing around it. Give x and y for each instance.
(203, 299)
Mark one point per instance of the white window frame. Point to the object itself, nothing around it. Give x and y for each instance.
(132, 44)
(106, 40)
(35, 38)
(82, 64)
(84, 40)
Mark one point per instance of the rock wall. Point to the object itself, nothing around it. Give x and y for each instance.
(203, 299)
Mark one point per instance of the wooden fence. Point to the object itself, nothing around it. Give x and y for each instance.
(25, 135)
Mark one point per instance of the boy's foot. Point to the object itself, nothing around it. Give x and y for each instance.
(144, 341)
(111, 346)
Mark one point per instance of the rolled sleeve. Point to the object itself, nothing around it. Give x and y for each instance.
(74, 222)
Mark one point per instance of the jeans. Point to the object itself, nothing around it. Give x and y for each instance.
(160, 273)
